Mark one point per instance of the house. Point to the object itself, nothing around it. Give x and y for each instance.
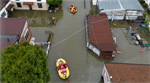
(120, 9)
(30, 4)
(14, 31)
(5, 8)
(98, 35)
(126, 73)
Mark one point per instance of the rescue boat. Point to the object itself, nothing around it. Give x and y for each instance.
(62, 68)
(73, 9)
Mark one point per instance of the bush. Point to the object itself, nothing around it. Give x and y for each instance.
(148, 11)
(9, 15)
(49, 37)
(145, 5)
(142, 2)
(144, 15)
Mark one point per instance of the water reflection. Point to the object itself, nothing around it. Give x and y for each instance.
(41, 18)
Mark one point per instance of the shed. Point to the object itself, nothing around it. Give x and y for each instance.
(120, 9)
(99, 38)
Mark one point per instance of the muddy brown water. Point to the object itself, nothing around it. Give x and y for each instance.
(86, 66)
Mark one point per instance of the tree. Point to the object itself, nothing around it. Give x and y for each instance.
(54, 2)
(24, 63)
(145, 5)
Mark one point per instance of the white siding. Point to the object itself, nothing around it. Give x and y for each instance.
(31, 0)
(105, 75)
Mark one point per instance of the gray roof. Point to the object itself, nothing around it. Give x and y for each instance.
(120, 4)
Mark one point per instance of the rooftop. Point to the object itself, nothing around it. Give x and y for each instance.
(100, 34)
(120, 4)
(129, 73)
(3, 3)
(9, 28)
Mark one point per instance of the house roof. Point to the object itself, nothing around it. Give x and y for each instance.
(128, 73)
(3, 3)
(10, 28)
(100, 34)
(120, 4)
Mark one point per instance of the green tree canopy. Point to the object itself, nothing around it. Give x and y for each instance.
(54, 2)
(24, 63)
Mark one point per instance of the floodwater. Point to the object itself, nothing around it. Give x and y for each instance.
(69, 42)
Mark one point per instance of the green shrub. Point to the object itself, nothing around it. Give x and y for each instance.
(144, 15)
(145, 5)
(9, 15)
(49, 37)
(148, 11)
(142, 2)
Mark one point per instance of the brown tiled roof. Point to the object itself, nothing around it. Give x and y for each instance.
(128, 73)
(27, 3)
(100, 34)
(3, 3)
(9, 7)
(10, 26)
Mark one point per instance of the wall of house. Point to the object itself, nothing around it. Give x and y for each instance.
(119, 14)
(30, 0)
(106, 55)
(23, 31)
(105, 75)
(116, 14)
(34, 6)
(131, 15)
(30, 34)
(4, 10)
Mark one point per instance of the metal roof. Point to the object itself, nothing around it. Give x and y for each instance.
(109, 4)
(120, 4)
(131, 4)
(9, 28)
(100, 34)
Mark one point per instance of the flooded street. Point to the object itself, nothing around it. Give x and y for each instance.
(69, 42)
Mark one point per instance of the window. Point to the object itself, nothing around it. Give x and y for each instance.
(39, 5)
(19, 4)
(27, 35)
(38, 0)
(3, 14)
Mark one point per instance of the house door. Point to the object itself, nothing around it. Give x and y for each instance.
(30, 7)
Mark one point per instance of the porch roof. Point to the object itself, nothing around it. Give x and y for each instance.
(9, 7)
(28, 3)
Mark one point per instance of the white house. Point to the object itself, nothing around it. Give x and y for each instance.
(30, 4)
(5, 7)
(120, 9)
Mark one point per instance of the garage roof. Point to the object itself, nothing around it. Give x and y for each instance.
(100, 34)
(120, 4)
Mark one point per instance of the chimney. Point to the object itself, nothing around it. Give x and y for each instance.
(7, 39)
(17, 34)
